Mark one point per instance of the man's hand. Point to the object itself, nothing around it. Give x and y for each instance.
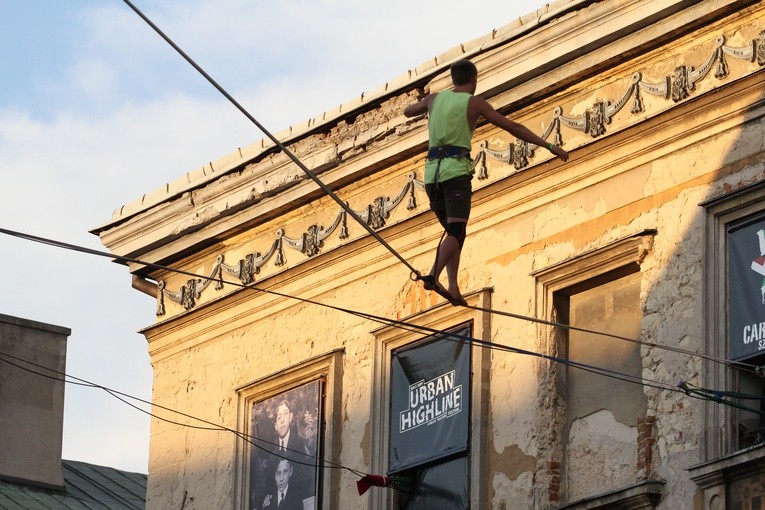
(421, 107)
(558, 151)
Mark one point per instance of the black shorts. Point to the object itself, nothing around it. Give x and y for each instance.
(451, 198)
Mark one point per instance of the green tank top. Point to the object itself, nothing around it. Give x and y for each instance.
(448, 125)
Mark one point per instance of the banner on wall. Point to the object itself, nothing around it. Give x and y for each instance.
(430, 400)
(746, 290)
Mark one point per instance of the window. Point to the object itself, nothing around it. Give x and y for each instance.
(602, 413)
(288, 425)
(429, 409)
(734, 291)
(605, 429)
(746, 318)
(430, 421)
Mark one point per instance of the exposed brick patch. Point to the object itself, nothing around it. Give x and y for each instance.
(645, 441)
(553, 473)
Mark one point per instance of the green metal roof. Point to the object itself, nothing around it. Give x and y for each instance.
(88, 487)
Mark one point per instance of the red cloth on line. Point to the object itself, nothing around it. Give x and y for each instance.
(372, 481)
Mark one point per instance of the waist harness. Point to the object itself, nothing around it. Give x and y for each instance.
(446, 151)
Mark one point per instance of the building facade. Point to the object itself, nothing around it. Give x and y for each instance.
(615, 302)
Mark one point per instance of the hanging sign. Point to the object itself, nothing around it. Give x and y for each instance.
(746, 290)
(430, 400)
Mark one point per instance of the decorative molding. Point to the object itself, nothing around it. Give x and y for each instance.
(308, 243)
(732, 481)
(595, 121)
(679, 86)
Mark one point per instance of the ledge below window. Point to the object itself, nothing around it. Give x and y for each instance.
(732, 481)
(642, 496)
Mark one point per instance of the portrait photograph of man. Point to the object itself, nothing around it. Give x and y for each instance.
(285, 449)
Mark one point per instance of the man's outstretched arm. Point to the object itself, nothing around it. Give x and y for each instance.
(420, 107)
(485, 110)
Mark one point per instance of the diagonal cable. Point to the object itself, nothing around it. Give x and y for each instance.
(276, 141)
(208, 425)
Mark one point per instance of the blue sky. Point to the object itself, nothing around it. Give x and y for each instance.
(96, 110)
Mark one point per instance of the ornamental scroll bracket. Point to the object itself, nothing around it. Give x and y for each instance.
(595, 121)
(188, 294)
(308, 243)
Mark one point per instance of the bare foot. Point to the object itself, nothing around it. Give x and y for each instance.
(456, 298)
(430, 283)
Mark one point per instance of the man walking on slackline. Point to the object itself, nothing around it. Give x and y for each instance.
(452, 116)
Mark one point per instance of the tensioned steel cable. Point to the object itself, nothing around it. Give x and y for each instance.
(709, 395)
(276, 141)
(255, 441)
(697, 393)
(450, 336)
(118, 258)
(259, 442)
(688, 389)
(680, 350)
(321, 463)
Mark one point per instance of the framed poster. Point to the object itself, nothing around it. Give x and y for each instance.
(285, 448)
(746, 289)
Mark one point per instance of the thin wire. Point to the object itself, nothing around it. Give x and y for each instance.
(252, 439)
(393, 322)
(516, 350)
(699, 394)
(64, 377)
(383, 320)
(451, 336)
(709, 357)
(119, 258)
(276, 141)
(322, 463)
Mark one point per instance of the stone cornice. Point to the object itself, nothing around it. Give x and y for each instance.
(425, 71)
(629, 94)
(262, 190)
(716, 57)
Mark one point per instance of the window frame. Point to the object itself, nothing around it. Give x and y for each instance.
(620, 257)
(328, 368)
(389, 338)
(721, 213)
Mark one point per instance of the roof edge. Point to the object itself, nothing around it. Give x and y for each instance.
(425, 71)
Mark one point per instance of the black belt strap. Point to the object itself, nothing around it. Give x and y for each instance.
(448, 151)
